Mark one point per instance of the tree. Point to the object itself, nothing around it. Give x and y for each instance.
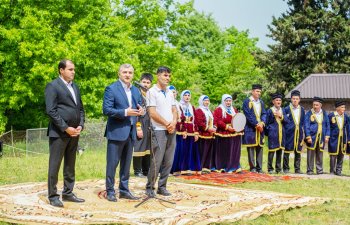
(311, 37)
(226, 57)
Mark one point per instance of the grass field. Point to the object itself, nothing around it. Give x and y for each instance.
(91, 165)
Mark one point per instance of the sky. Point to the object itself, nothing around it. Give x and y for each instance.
(252, 15)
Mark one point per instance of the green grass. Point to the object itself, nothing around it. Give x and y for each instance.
(92, 164)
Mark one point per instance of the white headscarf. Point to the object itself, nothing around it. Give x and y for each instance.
(224, 108)
(186, 107)
(205, 110)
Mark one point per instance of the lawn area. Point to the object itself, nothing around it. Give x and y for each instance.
(91, 165)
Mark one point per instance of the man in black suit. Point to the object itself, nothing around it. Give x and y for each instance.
(65, 110)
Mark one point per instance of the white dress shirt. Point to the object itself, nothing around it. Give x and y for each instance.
(296, 113)
(128, 94)
(257, 105)
(70, 88)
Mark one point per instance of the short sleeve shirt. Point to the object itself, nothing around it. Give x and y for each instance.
(163, 101)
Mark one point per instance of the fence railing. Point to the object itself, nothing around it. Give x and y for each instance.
(35, 141)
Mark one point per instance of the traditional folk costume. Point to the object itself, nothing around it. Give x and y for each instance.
(205, 121)
(141, 155)
(187, 158)
(316, 128)
(227, 144)
(294, 129)
(276, 134)
(338, 138)
(253, 139)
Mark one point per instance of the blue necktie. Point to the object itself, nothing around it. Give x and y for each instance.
(229, 111)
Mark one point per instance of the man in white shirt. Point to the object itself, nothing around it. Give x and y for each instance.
(162, 110)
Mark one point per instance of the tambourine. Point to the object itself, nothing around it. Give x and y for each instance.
(238, 122)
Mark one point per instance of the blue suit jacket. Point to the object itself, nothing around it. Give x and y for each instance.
(115, 102)
(311, 127)
(251, 136)
(295, 133)
(275, 130)
(338, 135)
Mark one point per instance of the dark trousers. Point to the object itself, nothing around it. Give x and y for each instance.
(162, 156)
(297, 159)
(141, 164)
(118, 151)
(259, 158)
(336, 163)
(62, 148)
(278, 161)
(311, 160)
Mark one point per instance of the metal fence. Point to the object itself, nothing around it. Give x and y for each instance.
(92, 139)
(35, 141)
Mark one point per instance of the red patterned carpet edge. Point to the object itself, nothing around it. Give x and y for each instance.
(234, 178)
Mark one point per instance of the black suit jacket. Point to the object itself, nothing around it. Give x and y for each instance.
(61, 108)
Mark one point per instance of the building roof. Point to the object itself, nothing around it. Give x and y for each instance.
(327, 86)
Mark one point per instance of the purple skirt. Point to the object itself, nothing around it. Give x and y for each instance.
(186, 158)
(207, 153)
(227, 153)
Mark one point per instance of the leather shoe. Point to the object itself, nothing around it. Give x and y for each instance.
(127, 196)
(56, 203)
(163, 192)
(310, 173)
(298, 172)
(150, 193)
(72, 198)
(111, 198)
(338, 174)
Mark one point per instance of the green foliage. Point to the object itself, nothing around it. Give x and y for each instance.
(311, 37)
(99, 36)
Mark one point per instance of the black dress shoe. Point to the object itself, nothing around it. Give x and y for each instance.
(286, 171)
(298, 172)
(56, 203)
(163, 192)
(338, 174)
(310, 173)
(261, 171)
(72, 198)
(319, 173)
(150, 193)
(111, 198)
(127, 196)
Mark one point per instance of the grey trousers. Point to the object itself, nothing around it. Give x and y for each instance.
(162, 156)
(336, 163)
(311, 159)
(258, 151)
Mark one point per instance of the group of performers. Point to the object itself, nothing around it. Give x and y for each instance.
(207, 142)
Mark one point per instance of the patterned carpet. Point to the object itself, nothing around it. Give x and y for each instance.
(27, 204)
(232, 178)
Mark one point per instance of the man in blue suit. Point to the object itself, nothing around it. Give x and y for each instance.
(253, 139)
(295, 132)
(121, 103)
(317, 135)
